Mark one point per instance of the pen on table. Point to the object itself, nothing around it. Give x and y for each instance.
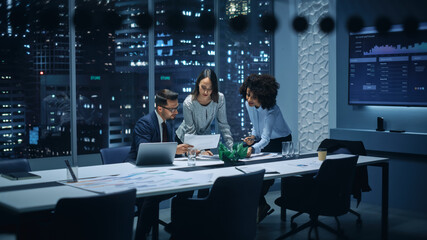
(71, 170)
(240, 170)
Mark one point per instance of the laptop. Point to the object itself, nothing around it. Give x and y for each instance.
(158, 153)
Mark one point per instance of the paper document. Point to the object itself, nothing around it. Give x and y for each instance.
(208, 157)
(261, 156)
(305, 164)
(253, 168)
(143, 181)
(201, 142)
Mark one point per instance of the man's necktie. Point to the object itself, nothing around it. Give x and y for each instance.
(165, 132)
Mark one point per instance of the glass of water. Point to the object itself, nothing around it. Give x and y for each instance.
(287, 150)
(297, 149)
(191, 157)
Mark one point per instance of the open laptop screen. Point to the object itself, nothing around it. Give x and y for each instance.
(156, 153)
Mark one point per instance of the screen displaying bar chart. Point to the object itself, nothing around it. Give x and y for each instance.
(388, 69)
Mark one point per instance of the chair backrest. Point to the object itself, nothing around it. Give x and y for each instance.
(114, 155)
(333, 185)
(108, 216)
(234, 202)
(343, 146)
(361, 180)
(14, 165)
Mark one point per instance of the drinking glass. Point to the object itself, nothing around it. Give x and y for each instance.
(191, 157)
(286, 149)
(296, 149)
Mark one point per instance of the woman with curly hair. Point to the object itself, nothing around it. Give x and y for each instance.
(269, 127)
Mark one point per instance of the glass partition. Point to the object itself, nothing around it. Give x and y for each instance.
(182, 47)
(112, 72)
(242, 53)
(34, 68)
(112, 67)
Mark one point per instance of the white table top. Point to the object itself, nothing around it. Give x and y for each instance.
(45, 198)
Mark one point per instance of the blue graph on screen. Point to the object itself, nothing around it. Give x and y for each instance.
(388, 69)
(398, 49)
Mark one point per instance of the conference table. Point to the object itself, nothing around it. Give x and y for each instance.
(23, 199)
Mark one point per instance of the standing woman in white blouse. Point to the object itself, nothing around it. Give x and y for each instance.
(201, 107)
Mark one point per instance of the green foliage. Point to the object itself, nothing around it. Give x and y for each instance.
(233, 155)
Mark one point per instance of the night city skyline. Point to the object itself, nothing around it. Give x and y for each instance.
(112, 69)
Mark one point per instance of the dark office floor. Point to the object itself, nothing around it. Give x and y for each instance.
(402, 224)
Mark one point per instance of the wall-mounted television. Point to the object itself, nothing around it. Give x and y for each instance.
(388, 69)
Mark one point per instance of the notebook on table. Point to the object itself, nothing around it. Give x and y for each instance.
(19, 175)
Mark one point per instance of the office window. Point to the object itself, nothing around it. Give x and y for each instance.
(182, 51)
(112, 67)
(241, 54)
(112, 73)
(34, 79)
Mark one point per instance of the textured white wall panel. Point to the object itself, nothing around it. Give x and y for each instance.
(313, 78)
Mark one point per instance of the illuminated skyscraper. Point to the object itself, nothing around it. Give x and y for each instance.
(237, 7)
(13, 71)
(12, 116)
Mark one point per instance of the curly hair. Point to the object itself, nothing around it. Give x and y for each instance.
(264, 87)
(207, 73)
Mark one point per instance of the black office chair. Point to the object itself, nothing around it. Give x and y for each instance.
(114, 155)
(108, 216)
(14, 165)
(326, 194)
(119, 155)
(228, 212)
(360, 183)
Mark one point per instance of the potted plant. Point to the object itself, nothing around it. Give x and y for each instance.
(231, 157)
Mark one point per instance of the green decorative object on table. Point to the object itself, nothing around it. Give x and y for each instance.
(232, 156)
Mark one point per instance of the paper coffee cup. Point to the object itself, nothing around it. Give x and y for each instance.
(321, 153)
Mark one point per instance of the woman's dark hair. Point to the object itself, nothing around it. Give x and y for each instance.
(207, 73)
(264, 87)
(163, 95)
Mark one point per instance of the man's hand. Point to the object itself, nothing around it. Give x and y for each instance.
(183, 148)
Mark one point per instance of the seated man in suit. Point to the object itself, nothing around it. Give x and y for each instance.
(154, 127)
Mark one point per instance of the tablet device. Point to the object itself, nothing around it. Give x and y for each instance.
(156, 153)
(19, 175)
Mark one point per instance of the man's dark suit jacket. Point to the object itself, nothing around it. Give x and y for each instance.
(146, 131)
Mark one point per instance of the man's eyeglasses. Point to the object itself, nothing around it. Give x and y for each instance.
(172, 110)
